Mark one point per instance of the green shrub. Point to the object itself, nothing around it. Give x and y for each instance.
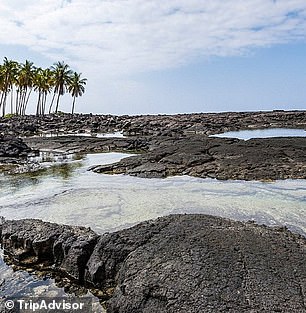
(9, 115)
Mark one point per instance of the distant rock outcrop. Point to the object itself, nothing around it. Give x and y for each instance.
(151, 125)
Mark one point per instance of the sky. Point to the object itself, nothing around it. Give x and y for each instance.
(175, 56)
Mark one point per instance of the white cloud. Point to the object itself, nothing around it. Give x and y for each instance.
(110, 38)
(140, 35)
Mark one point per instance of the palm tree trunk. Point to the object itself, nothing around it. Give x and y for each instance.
(1, 101)
(52, 102)
(4, 103)
(38, 104)
(26, 101)
(21, 102)
(21, 94)
(57, 102)
(12, 99)
(17, 101)
(44, 104)
(73, 102)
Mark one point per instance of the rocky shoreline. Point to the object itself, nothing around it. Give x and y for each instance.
(178, 263)
(151, 125)
(171, 145)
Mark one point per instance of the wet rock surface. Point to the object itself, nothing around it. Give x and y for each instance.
(79, 144)
(179, 263)
(14, 156)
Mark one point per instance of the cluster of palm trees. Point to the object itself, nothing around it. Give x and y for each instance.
(18, 80)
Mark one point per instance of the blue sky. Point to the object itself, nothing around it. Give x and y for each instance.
(269, 78)
(143, 56)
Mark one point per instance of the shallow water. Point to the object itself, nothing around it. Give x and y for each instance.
(20, 284)
(263, 133)
(68, 193)
(98, 135)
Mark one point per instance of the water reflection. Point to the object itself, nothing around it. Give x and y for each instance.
(21, 284)
(63, 170)
(263, 133)
(55, 157)
(115, 134)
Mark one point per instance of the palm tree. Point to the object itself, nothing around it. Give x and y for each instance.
(8, 76)
(1, 84)
(48, 86)
(24, 77)
(76, 86)
(38, 87)
(43, 84)
(25, 80)
(61, 74)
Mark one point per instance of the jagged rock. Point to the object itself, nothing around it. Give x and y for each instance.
(11, 147)
(31, 242)
(179, 263)
(152, 125)
(79, 144)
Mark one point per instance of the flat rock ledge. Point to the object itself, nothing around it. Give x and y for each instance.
(179, 263)
(221, 158)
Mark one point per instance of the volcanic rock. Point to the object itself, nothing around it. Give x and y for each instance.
(221, 158)
(178, 263)
(11, 147)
